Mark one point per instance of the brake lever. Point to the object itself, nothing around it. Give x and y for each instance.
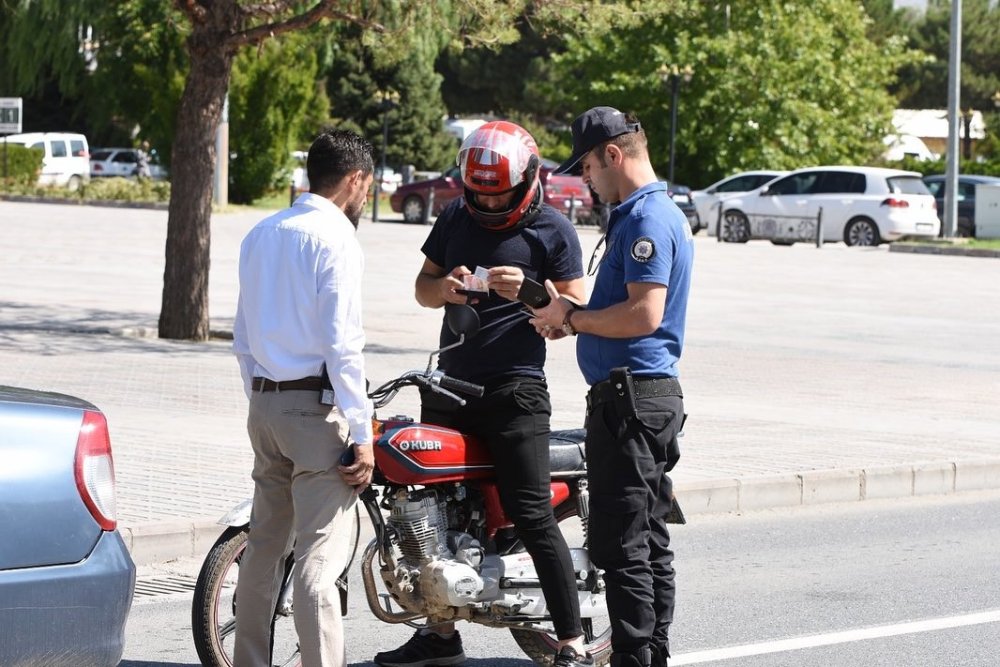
(430, 384)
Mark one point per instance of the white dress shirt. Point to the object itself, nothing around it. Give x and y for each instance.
(300, 305)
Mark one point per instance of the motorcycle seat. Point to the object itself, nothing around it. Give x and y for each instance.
(566, 453)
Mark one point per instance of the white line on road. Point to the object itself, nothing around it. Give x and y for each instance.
(697, 657)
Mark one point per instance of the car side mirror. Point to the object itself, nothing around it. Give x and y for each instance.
(765, 191)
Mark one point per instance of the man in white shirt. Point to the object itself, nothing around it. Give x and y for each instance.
(298, 321)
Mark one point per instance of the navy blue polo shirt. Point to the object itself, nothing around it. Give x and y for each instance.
(506, 345)
(649, 241)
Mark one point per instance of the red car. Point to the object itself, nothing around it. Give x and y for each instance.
(562, 192)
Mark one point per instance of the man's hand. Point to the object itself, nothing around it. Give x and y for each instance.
(548, 319)
(359, 473)
(452, 282)
(506, 281)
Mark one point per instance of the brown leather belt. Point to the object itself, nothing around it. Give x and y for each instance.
(605, 391)
(303, 384)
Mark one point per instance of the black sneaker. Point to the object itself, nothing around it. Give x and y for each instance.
(425, 649)
(568, 657)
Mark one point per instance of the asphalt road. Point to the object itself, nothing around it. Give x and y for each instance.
(877, 584)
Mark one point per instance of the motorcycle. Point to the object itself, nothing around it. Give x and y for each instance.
(443, 548)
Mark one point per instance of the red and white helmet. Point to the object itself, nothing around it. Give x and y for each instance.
(497, 158)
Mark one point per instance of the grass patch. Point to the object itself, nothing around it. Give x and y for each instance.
(959, 242)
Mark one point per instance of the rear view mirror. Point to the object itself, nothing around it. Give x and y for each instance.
(764, 191)
(462, 319)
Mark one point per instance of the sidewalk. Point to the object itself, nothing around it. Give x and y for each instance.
(811, 375)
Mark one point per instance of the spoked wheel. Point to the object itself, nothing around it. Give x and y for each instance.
(413, 209)
(541, 646)
(735, 227)
(213, 610)
(861, 232)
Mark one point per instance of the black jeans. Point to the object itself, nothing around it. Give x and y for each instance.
(512, 419)
(630, 497)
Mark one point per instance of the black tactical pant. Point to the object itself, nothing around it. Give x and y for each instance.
(628, 455)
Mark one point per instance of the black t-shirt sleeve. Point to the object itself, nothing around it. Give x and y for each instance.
(564, 258)
(435, 247)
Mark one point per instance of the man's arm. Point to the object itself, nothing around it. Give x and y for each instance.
(639, 315)
(435, 287)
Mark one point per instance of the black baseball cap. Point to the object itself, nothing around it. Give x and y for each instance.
(591, 129)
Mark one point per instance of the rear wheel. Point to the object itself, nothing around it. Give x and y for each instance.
(74, 183)
(541, 646)
(735, 227)
(213, 610)
(861, 232)
(413, 209)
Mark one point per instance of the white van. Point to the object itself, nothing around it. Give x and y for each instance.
(67, 157)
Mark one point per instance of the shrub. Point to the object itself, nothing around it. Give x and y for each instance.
(23, 164)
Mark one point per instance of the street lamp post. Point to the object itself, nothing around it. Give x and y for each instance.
(672, 76)
(389, 101)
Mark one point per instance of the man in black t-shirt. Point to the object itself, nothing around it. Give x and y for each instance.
(499, 233)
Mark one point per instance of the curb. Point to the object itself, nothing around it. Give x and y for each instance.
(162, 541)
(111, 203)
(816, 487)
(934, 249)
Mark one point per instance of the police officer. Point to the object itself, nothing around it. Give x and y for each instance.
(629, 342)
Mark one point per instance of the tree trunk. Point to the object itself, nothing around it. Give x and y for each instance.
(184, 309)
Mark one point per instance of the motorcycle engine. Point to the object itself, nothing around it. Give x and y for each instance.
(438, 567)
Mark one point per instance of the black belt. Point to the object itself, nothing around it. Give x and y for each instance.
(642, 387)
(303, 384)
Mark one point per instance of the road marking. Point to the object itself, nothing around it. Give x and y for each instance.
(814, 641)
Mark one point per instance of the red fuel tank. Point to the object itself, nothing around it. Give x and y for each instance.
(424, 454)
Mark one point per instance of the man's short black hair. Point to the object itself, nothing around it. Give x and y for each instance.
(333, 155)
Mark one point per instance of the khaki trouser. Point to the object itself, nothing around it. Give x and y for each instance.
(299, 497)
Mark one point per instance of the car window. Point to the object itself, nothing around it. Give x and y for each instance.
(936, 188)
(838, 183)
(966, 191)
(907, 185)
(100, 156)
(38, 144)
(454, 172)
(76, 146)
(760, 180)
(124, 156)
(738, 184)
(796, 184)
(59, 149)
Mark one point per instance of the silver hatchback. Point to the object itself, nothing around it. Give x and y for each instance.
(66, 576)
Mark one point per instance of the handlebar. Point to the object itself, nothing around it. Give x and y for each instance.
(434, 380)
(461, 386)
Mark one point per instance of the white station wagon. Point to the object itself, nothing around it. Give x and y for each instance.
(861, 206)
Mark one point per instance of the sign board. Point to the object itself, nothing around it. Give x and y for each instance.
(10, 115)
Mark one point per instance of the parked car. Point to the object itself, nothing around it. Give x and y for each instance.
(966, 224)
(569, 194)
(65, 157)
(300, 179)
(66, 577)
(681, 194)
(124, 163)
(861, 206)
(706, 201)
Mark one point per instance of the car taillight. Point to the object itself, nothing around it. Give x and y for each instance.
(98, 167)
(892, 202)
(95, 471)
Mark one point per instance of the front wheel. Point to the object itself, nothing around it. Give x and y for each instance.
(541, 646)
(735, 227)
(213, 610)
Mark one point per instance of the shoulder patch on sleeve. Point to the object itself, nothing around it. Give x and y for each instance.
(643, 249)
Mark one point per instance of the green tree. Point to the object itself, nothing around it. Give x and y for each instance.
(358, 83)
(925, 84)
(785, 84)
(272, 89)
